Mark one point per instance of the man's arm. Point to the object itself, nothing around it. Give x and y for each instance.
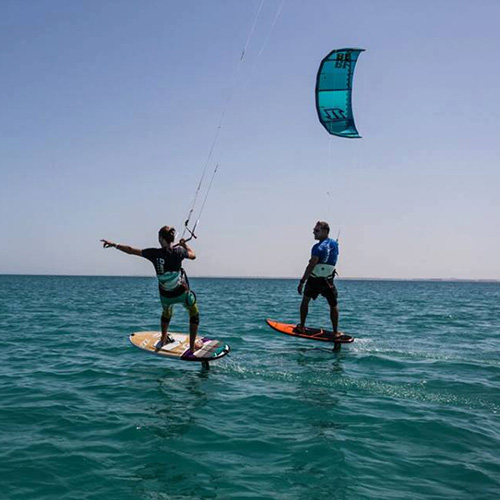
(312, 263)
(190, 253)
(122, 248)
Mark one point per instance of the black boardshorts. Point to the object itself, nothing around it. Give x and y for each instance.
(321, 286)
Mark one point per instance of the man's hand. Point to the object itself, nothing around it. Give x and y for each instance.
(300, 287)
(108, 244)
(190, 254)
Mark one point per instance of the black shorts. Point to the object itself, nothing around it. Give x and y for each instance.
(321, 286)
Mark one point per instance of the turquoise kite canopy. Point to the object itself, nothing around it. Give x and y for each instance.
(333, 92)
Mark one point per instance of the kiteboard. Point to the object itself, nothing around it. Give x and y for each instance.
(309, 333)
(179, 348)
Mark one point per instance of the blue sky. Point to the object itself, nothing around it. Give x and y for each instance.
(109, 109)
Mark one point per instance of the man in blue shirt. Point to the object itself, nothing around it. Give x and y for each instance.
(318, 276)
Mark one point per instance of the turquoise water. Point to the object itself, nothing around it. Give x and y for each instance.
(409, 411)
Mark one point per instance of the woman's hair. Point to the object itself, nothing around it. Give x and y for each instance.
(167, 233)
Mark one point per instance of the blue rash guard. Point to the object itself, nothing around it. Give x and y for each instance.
(320, 281)
(327, 251)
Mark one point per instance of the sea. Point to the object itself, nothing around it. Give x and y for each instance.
(410, 410)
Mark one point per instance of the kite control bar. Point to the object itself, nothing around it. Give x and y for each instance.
(190, 231)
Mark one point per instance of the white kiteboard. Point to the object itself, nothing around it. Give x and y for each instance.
(179, 348)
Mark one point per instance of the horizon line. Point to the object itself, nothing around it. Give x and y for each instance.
(347, 278)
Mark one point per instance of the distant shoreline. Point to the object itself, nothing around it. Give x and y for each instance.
(436, 280)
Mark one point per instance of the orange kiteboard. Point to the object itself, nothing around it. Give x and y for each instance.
(309, 333)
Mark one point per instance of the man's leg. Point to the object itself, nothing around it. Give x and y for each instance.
(194, 319)
(331, 297)
(165, 322)
(166, 316)
(334, 316)
(304, 309)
